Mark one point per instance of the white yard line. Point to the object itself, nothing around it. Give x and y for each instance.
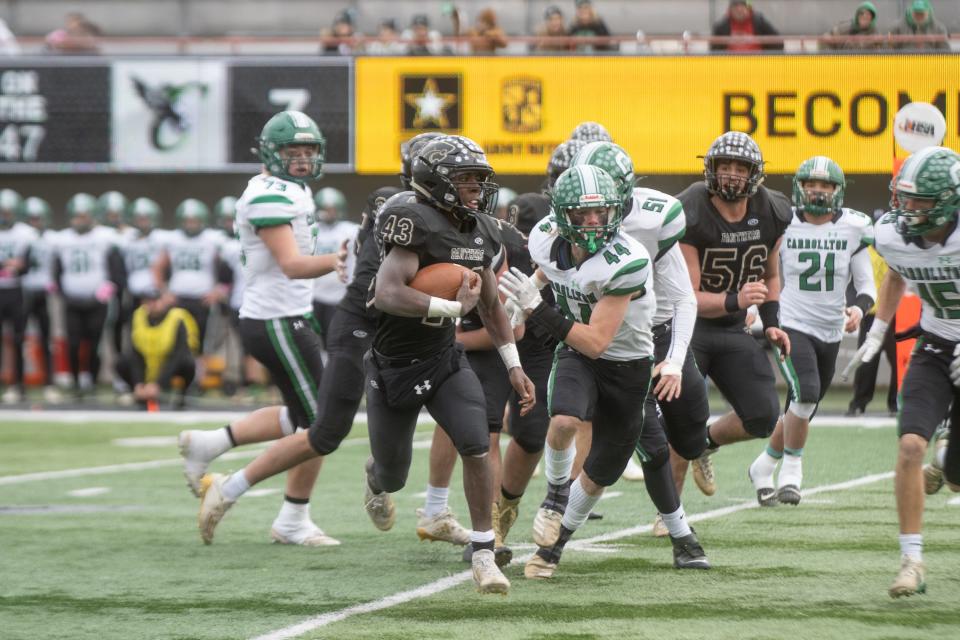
(449, 582)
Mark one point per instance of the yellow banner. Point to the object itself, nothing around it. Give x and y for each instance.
(665, 111)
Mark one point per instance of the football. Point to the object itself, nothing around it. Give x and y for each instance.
(442, 280)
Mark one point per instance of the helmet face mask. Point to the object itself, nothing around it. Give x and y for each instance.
(926, 193)
(720, 167)
(292, 147)
(452, 174)
(818, 187)
(587, 207)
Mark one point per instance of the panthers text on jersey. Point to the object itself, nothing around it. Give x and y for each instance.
(733, 253)
(329, 289)
(84, 260)
(423, 230)
(139, 256)
(514, 252)
(816, 263)
(621, 267)
(39, 275)
(933, 272)
(13, 245)
(269, 201)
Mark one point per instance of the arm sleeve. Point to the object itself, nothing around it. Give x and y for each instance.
(26, 261)
(116, 269)
(57, 269)
(862, 270)
(224, 271)
(674, 279)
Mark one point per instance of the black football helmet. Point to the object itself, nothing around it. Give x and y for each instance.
(440, 159)
(408, 151)
(733, 145)
(562, 158)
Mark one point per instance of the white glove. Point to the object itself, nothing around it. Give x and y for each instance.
(868, 350)
(514, 313)
(955, 367)
(517, 286)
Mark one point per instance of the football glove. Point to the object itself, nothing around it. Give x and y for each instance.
(514, 313)
(519, 287)
(869, 349)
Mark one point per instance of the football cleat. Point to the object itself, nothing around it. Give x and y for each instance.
(307, 534)
(789, 494)
(213, 506)
(633, 472)
(910, 578)
(766, 494)
(539, 568)
(506, 515)
(687, 552)
(52, 395)
(195, 463)
(703, 473)
(12, 396)
(501, 552)
(379, 506)
(932, 473)
(487, 575)
(659, 529)
(442, 527)
(546, 527)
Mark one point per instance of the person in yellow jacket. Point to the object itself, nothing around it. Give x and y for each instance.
(163, 342)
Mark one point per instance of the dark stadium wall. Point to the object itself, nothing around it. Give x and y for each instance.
(864, 192)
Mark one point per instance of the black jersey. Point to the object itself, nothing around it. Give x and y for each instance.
(733, 253)
(430, 234)
(516, 254)
(368, 254)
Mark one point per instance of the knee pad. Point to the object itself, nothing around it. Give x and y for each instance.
(528, 443)
(653, 460)
(761, 426)
(802, 410)
(475, 449)
(286, 426)
(692, 443)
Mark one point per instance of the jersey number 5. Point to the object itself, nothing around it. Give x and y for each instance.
(721, 272)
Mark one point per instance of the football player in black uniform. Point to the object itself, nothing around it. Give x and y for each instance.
(732, 247)
(414, 361)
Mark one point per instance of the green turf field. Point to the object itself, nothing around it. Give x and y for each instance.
(123, 559)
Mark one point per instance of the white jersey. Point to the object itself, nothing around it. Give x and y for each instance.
(933, 272)
(83, 260)
(329, 289)
(139, 256)
(622, 267)
(39, 275)
(13, 245)
(231, 254)
(193, 262)
(816, 263)
(269, 201)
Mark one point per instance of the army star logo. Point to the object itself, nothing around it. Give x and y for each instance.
(431, 102)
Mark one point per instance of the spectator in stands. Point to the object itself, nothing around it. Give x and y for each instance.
(8, 42)
(388, 41)
(422, 40)
(485, 36)
(919, 21)
(743, 20)
(338, 40)
(78, 35)
(864, 23)
(586, 23)
(552, 27)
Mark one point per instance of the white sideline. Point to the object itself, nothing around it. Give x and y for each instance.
(451, 581)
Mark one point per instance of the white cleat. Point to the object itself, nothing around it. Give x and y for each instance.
(195, 460)
(379, 506)
(487, 575)
(546, 527)
(213, 506)
(306, 534)
(12, 396)
(539, 569)
(703, 473)
(910, 579)
(442, 527)
(633, 472)
(52, 395)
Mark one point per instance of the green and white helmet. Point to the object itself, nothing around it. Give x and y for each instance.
(112, 208)
(286, 128)
(192, 209)
(586, 187)
(10, 202)
(931, 174)
(819, 168)
(614, 160)
(225, 207)
(144, 208)
(81, 204)
(34, 208)
(330, 198)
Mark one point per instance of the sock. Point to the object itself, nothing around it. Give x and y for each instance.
(210, 444)
(940, 458)
(578, 506)
(229, 431)
(482, 539)
(436, 500)
(553, 553)
(293, 513)
(235, 486)
(911, 544)
(763, 468)
(791, 471)
(509, 496)
(557, 464)
(773, 453)
(676, 523)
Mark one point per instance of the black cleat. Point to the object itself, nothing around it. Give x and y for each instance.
(767, 497)
(688, 554)
(502, 555)
(789, 494)
(593, 515)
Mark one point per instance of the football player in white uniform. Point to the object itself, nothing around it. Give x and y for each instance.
(918, 238)
(822, 249)
(15, 238)
(38, 285)
(275, 218)
(332, 232)
(601, 279)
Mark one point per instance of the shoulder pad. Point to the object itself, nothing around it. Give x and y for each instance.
(781, 205)
(856, 218)
(626, 265)
(407, 223)
(696, 201)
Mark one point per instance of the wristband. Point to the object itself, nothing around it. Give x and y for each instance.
(552, 321)
(537, 281)
(440, 308)
(731, 304)
(770, 314)
(509, 355)
(863, 301)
